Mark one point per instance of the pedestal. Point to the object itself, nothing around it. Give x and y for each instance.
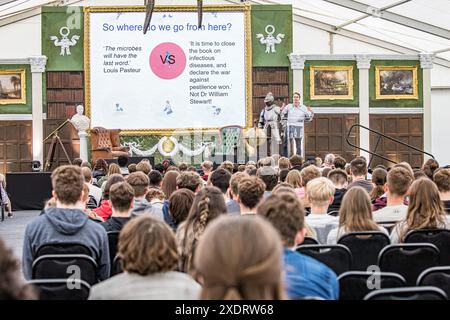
(83, 145)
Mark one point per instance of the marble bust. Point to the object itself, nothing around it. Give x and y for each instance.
(80, 121)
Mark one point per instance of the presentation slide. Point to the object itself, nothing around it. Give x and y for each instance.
(176, 76)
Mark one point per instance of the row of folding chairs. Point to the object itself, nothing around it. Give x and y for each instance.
(356, 285)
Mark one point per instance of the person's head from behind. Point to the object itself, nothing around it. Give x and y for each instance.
(77, 162)
(425, 209)
(294, 178)
(132, 167)
(284, 164)
(442, 179)
(155, 179)
(207, 166)
(405, 165)
(285, 212)
(398, 182)
(159, 167)
(248, 266)
(320, 193)
(67, 183)
(355, 213)
(275, 158)
(358, 167)
(329, 160)
(339, 178)
(429, 167)
(296, 160)
(180, 203)
(11, 286)
(87, 174)
(113, 179)
(269, 176)
(250, 192)
(122, 161)
(220, 178)
(121, 196)
(101, 165)
(139, 181)
(339, 163)
(234, 184)
(208, 204)
(227, 165)
(189, 180)
(144, 166)
(113, 169)
(169, 183)
(309, 173)
(379, 176)
(147, 246)
(155, 195)
(183, 166)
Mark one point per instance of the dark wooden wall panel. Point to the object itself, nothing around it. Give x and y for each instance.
(16, 151)
(327, 133)
(407, 128)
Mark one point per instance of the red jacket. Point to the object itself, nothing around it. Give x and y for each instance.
(104, 211)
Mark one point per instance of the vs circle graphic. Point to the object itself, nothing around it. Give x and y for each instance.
(167, 60)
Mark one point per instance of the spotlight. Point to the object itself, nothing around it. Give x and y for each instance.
(35, 166)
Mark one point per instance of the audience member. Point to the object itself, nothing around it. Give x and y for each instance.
(100, 169)
(425, 210)
(270, 178)
(227, 165)
(112, 169)
(419, 174)
(148, 251)
(144, 166)
(340, 181)
(233, 206)
(77, 162)
(283, 175)
(208, 204)
(207, 167)
(294, 178)
(94, 191)
(139, 181)
(429, 167)
(328, 161)
(183, 166)
(319, 162)
(250, 193)
(339, 163)
(121, 196)
(240, 268)
(358, 171)
(320, 193)
(442, 179)
(220, 178)
(284, 164)
(304, 276)
(104, 211)
(159, 167)
(180, 203)
(86, 164)
(132, 168)
(156, 198)
(122, 161)
(66, 223)
(155, 179)
(189, 180)
(169, 183)
(398, 182)
(296, 162)
(355, 215)
(308, 174)
(378, 181)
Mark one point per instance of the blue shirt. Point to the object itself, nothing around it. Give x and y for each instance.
(307, 277)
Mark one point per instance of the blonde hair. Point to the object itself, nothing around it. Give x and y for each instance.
(294, 178)
(247, 266)
(355, 213)
(320, 191)
(284, 163)
(425, 210)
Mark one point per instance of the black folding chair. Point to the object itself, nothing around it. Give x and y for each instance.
(113, 240)
(438, 277)
(408, 259)
(61, 289)
(337, 257)
(309, 240)
(333, 213)
(355, 285)
(408, 293)
(116, 266)
(388, 225)
(64, 248)
(63, 266)
(439, 237)
(365, 247)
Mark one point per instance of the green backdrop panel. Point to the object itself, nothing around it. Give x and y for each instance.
(412, 103)
(280, 18)
(53, 20)
(330, 103)
(19, 108)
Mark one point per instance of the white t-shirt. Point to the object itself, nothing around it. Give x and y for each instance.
(391, 213)
(322, 224)
(96, 192)
(337, 233)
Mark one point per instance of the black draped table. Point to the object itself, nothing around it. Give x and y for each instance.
(28, 190)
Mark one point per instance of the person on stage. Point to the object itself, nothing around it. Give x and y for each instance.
(294, 116)
(269, 117)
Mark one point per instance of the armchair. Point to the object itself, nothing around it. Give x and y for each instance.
(106, 144)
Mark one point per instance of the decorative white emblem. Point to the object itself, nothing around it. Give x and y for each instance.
(65, 43)
(270, 41)
(203, 147)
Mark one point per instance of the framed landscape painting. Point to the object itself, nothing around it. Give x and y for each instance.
(396, 82)
(331, 83)
(12, 87)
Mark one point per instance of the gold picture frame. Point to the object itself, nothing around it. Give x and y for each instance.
(12, 87)
(245, 8)
(396, 83)
(331, 82)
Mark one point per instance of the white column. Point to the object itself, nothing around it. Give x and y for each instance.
(363, 64)
(83, 145)
(297, 66)
(37, 64)
(426, 63)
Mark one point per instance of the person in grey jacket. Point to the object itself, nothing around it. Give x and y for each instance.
(294, 116)
(66, 223)
(139, 181)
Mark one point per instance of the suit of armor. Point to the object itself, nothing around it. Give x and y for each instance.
(269, 118)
